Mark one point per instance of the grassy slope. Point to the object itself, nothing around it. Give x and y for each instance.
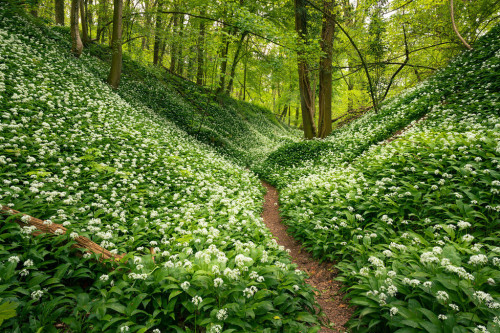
(414, 223)
(240, 131)
(77, 153)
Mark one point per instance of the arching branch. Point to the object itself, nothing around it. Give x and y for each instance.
(365, 66)
(452, 13)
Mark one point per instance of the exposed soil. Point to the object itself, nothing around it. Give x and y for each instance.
(321, 276)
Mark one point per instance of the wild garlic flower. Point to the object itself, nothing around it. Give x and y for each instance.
(14, 259)
(393, 311)
(218, 282)
(478, 259)
(222, 314)
(196, 300)
(185, 285)
(37, 294)
(442, 295)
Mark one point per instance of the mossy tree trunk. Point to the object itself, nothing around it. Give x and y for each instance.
(76, 42)
(116, 44)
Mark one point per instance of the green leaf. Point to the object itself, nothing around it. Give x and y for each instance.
(174, 293)
(7, 311)
(307, 317)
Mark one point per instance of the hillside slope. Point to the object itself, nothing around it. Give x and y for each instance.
(241, 131)
(414, 223)
(74, 152)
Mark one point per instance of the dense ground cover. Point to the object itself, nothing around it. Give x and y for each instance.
(414, 223)
(74, 152)
(294, 160)
(242, 132)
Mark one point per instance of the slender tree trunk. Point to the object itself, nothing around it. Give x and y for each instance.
(59, 11)
(245, 72)
(180, 55)
(83, 20)
(156, 47)
(325, 71)
(101, 21)
(191, 57)
(76, 42)
(223, 65)
(173, 45)
(162, 52)
(297, 116)
(236, 59)
(201, 50)
(306, 94)
(90, 18)
(116, 61)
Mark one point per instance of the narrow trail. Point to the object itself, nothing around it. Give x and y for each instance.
(321, 276)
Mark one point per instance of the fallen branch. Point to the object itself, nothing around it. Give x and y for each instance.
(53, 228)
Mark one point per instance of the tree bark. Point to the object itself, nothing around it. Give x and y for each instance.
(157, 42)
(59, 11)
(116, 44)
(83, 20)
(223, 65)
(245, 72)
(200, 55)
(76, 42)
(236, 59)
(101, 21)
(173, 45)
(180, 55)
(81, 241)
(325, 71)
(306, 94)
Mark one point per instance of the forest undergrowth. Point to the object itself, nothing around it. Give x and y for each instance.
(413, 224)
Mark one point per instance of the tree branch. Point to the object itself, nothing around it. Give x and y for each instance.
(407, 52)
(452, 13)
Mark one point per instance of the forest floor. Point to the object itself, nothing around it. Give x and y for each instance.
(321, 275)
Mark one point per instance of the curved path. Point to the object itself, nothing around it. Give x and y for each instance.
(321, 276)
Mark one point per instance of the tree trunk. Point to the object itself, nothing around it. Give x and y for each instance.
(76, 42)
(245, 72)
(180, 55)
(162, 52)
(156, 47)
(173, 45)
(306, 94)
(116, 44)
(59, 10)
(201, 50)
(90, 19)
(101, 21)
(223, 65)
(236, 59)
(83, 20)
(325, 71)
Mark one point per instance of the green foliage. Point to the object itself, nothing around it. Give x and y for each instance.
(115, 170)
(414, 223)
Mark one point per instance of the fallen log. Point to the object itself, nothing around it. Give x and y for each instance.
(57, 229)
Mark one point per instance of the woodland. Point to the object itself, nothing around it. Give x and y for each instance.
(250, 166)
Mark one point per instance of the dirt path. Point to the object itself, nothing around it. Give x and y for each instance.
(321, 276)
